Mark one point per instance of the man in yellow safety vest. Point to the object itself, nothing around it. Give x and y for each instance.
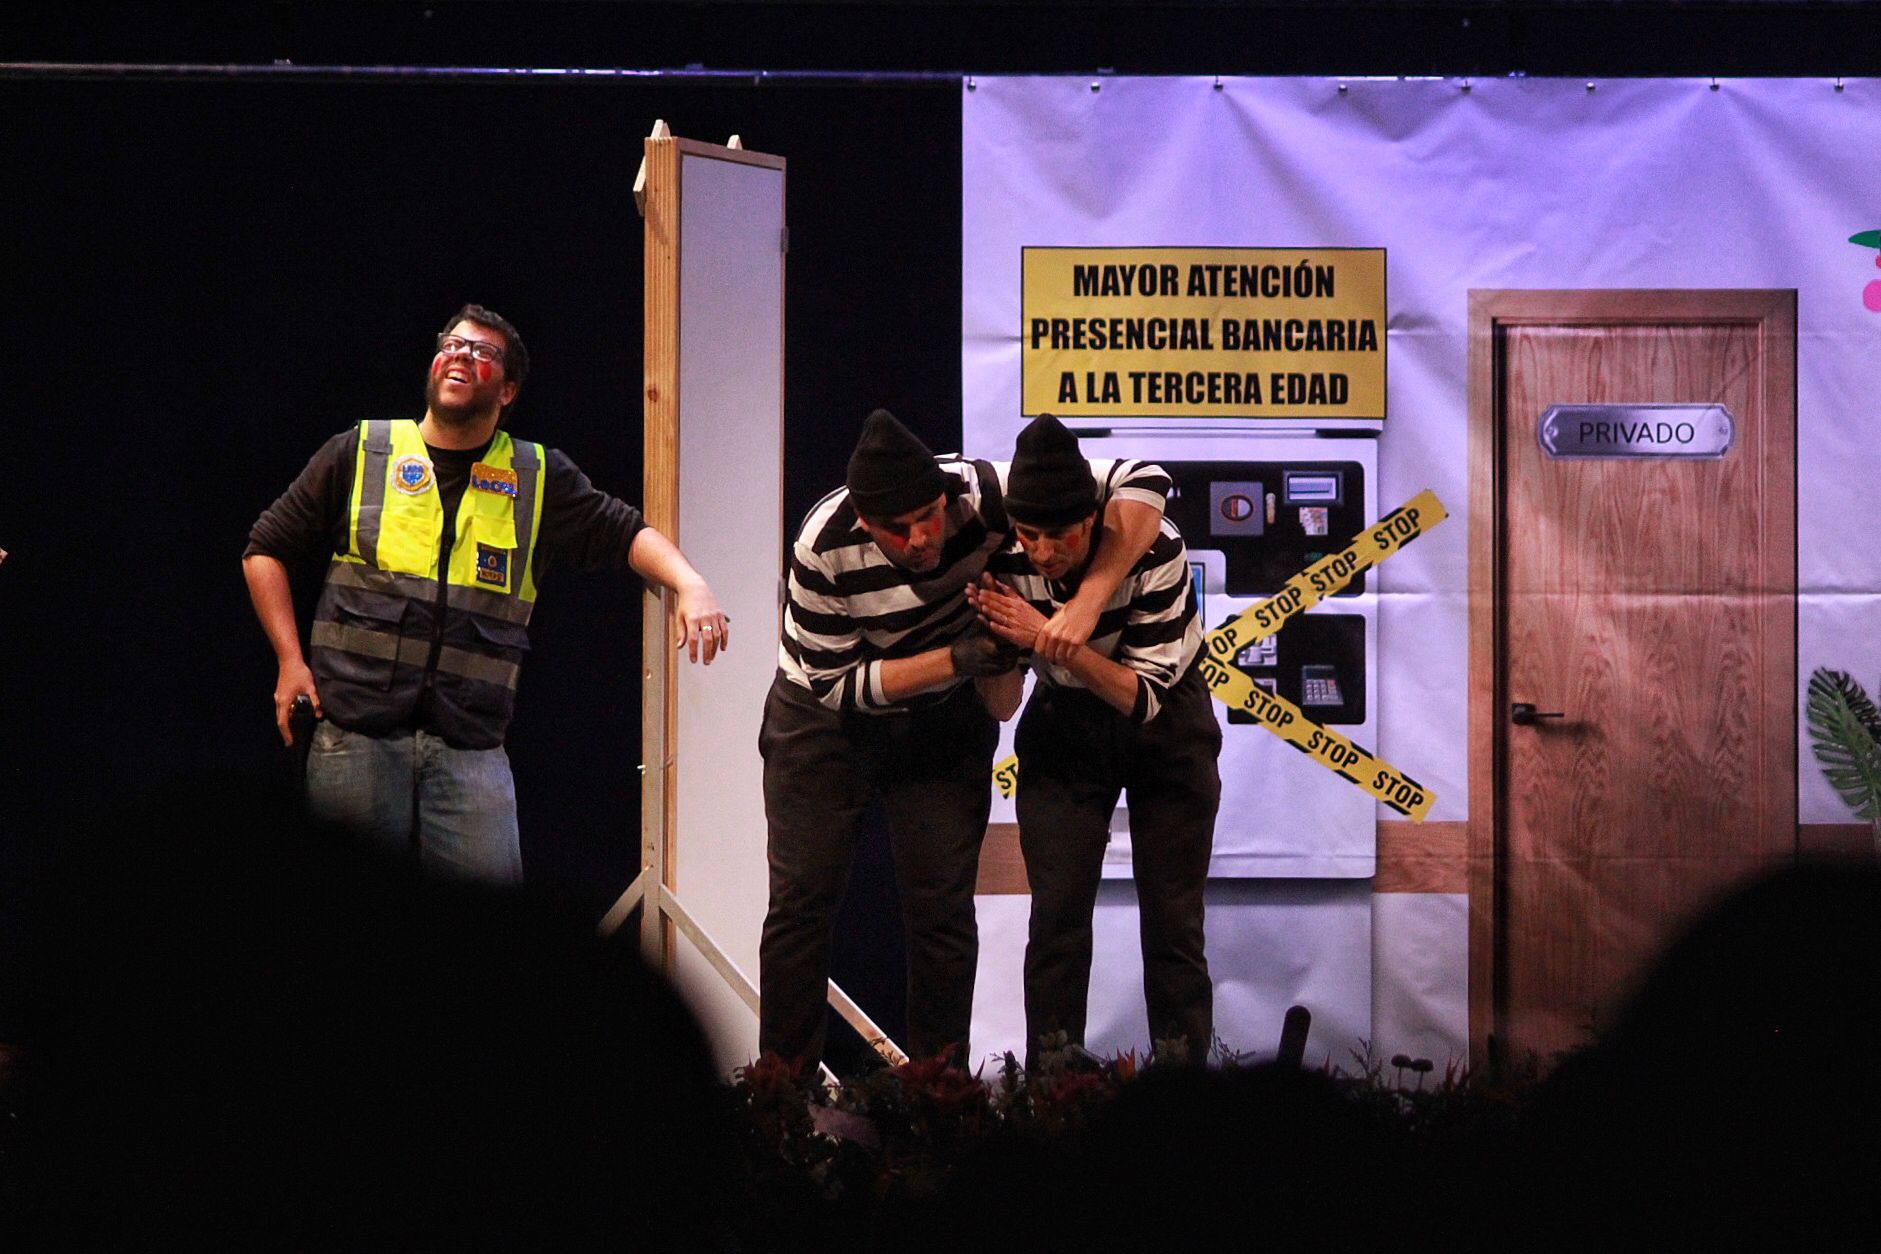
(437, 532)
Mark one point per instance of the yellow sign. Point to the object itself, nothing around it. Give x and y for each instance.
(1204, 332)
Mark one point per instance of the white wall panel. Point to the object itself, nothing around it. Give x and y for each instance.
(731, 527)
(1515, 183)
(1271, 944)
(1420, 941)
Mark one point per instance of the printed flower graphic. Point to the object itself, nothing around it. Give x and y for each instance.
(1870, 295)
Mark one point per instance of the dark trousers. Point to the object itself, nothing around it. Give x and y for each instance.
(932, 768)
(1075, 755)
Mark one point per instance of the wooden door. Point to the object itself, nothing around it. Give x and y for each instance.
(1652, 603)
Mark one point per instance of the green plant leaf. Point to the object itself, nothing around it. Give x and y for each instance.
(1846, 730)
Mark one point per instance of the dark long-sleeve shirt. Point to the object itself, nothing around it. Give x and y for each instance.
(582, 528)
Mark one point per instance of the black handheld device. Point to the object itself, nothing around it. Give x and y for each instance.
(300, 726)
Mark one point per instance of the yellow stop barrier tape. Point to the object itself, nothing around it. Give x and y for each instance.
(1237, 690)
(1329, 574)
(1325, 746)
(1006, 776)
(1234, 688)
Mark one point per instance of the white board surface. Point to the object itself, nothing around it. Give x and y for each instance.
(731, 417)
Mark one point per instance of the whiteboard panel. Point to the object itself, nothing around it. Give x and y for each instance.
(731, 269)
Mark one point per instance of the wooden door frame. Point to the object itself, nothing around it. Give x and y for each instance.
(1491, 310)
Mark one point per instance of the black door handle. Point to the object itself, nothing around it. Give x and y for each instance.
(1522, 714)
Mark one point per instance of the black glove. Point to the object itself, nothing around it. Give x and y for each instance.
(977, 653)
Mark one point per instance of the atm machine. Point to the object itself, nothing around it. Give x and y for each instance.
(1289, 899)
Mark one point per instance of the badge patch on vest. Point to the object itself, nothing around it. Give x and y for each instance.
(492, 566)
(493, 479)
(411, 474)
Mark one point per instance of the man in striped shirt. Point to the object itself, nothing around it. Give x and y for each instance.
(1126, 713)
(871, 698)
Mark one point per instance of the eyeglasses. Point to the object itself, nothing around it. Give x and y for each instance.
(482, 350)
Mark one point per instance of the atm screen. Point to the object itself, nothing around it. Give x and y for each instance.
(1313, 487)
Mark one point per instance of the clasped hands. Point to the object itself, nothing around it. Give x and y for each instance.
(1015, 626)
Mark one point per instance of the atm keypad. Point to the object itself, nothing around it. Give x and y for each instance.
(1319, 685)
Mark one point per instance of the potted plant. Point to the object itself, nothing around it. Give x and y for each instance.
(1846, 729)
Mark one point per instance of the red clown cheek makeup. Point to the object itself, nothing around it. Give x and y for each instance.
(483, 370)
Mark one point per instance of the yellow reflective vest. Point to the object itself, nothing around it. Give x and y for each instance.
(399, 643)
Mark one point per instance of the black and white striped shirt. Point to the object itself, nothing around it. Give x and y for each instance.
(848, 608)
(1149, 624)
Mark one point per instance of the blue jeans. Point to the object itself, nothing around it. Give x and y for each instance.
(459, 803)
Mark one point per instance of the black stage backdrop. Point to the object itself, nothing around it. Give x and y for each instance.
(204, 280)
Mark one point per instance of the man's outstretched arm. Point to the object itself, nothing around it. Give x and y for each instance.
(701, 623)
(1130, 527)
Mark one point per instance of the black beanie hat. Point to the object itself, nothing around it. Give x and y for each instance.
(1050, 484)
(892, 472)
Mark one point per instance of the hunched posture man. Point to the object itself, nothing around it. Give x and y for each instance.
(871, 698)
(1127, 712)
(438, 532)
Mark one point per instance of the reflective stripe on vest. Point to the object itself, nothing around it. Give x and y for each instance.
(409, 652)
(413, 587)
(375, 450)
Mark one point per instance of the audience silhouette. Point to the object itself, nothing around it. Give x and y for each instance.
(244, 1029)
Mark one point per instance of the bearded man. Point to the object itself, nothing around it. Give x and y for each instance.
(437, 532)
